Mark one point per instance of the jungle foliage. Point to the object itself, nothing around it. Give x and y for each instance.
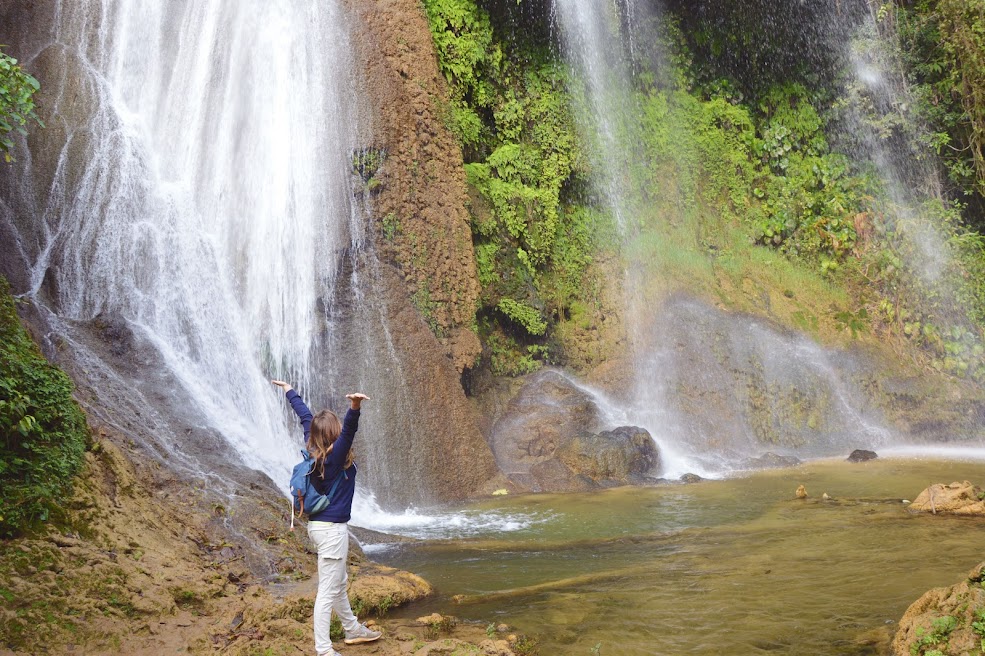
(510, 111)
(943, 46)
(17, 90)
(731, 153)
(43, 430)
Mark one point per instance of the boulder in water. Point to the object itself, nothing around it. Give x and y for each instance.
(549, 438)
(548, 411)
(861, 455)
(690, 478)
(592, 460)
(954, 499)
(621, 455)
(554, 476)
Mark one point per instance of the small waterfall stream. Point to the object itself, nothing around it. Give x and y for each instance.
(881, 131)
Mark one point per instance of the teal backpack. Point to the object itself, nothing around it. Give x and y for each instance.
(305, 499)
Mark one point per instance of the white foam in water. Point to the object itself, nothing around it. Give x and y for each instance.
(431, 524)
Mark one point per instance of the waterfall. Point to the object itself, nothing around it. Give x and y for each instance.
(591, 32)
(880, 130)
(206, 199)
(712, 389)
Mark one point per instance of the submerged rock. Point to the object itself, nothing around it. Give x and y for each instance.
(955, 499)
(770, 460)
(861, 455)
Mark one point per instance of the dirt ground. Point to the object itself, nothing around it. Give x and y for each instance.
(168, 570)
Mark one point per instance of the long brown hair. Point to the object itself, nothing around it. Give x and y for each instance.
(325, 429)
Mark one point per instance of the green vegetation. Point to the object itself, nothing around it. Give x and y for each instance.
(366, 163)
(44, 433)
(978, 626)
(443, 624)
(525, 646)
(943, 46)
(380, 607)
(17, 90)
(722, 162)
(534, 243)
(928, 642)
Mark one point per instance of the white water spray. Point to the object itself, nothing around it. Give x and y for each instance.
(592, 37)
(700, 413)
(213, 199)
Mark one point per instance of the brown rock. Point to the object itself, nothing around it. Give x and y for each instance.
(962, 602)
(956, 499)
(547, 411)
(554, 476)
(378, 587)
(861, 455)
(619, 456)
(424, 178)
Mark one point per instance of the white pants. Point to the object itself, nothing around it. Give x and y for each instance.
(331, 541)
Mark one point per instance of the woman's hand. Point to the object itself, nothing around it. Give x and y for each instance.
(281, 384)
(356, 399)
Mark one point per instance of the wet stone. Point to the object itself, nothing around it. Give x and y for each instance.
(861, 455)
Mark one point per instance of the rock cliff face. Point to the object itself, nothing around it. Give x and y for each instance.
(423, 240)
(422, 223)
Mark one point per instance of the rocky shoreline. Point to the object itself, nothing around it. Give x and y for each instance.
(137, 570)
(142, 569)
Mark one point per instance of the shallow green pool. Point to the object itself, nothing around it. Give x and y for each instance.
(735, 566)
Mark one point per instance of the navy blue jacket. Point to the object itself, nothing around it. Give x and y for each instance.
(340, 509)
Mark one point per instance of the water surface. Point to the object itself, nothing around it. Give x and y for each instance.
(735, 566)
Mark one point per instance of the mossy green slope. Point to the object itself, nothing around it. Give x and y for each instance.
(43, 429)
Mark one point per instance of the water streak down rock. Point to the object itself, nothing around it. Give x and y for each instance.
(551, 438)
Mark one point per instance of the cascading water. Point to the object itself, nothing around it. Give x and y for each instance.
(712, 406)
(591, 32)
(880, 131)
(189, 229)
(207, 198)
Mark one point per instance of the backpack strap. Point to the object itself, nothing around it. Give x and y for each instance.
(331, 492)
(335, 485)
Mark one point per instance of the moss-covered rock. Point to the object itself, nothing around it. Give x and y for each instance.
(945, 621)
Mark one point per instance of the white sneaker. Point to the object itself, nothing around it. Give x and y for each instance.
(362, 634)
(329, 653)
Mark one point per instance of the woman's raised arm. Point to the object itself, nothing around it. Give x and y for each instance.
(297, 403)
